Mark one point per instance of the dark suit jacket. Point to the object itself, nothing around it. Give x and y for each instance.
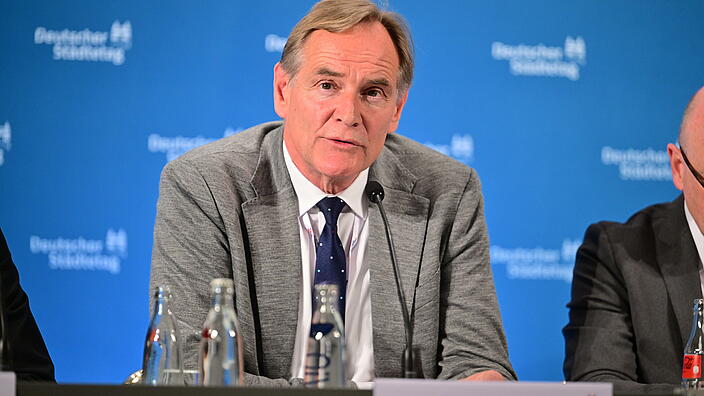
(26, 355)
(632, 292)
(228, 209)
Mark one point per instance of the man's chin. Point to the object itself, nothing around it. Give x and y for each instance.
(339, 176)
(340, 165)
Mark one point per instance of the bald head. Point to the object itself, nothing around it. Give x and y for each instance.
(693, 119)
(685, 175)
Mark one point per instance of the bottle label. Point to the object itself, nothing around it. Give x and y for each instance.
(692, 366)
(322, 328)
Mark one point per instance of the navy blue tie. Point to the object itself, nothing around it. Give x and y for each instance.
(330, 261)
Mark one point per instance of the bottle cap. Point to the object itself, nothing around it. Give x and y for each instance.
(163, 291)
(222, 283)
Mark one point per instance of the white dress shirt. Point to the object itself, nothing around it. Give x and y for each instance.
(353, 230)
(698, 241)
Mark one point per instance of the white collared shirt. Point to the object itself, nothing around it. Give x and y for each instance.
(353, 230)
(698, 241)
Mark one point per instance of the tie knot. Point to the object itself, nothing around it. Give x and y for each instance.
(331, 208)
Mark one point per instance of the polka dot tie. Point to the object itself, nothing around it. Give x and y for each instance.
(330, 261)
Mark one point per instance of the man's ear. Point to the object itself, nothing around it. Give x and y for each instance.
(281, 85)
(399, 108)
(677, 165)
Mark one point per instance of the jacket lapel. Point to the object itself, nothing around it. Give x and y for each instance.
(408, 218)
(275, 256)
(679, 263)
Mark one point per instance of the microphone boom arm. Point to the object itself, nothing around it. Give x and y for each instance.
(375, 194)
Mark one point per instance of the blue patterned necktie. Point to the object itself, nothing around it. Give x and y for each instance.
(330, 261)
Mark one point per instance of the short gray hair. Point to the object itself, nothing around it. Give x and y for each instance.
(339, 15)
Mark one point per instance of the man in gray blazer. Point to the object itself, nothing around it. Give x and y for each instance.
(634, 283)
(236, 208)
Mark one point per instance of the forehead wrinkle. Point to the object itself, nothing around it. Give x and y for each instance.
(330, 65)
(324, 71)
(368, 58)
(361, 57)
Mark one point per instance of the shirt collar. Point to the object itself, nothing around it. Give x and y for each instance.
(309, 194)
(695, 231)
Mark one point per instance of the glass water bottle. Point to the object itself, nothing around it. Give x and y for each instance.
(220, 358)
(325, 358)
(692, 361)
(162, 363)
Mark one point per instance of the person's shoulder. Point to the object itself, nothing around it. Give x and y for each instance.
(427, 164)
(646, 217)
(238, 151)
(643, 227)
(234, 147)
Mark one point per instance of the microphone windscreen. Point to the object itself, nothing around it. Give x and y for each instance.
(374, 191)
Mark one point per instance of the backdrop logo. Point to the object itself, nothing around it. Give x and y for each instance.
(116, 242)
(461, 148)
(538, 263)
(637, 164)
(542, 60)
(121, 34)
(175, 146)
(5, 140)
(83, 254)
(87, 45)
(274, 43)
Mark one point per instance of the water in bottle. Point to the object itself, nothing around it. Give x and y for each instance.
(692, 361)
(162, 363)
(325, 358)
(220, 358)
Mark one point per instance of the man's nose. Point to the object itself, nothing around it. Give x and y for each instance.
(347, 110)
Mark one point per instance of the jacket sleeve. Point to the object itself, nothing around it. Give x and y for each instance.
(26, 352)
(190, 249)
(471, 334)
(599, 338)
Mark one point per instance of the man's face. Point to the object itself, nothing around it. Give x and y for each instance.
(341, 104)
(693, 146)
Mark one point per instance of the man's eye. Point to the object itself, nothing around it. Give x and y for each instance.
(326, 85)
(374, 93)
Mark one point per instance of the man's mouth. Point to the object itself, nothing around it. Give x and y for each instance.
(343, 142)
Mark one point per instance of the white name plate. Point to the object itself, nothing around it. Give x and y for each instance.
(419, 387)
(7, 383)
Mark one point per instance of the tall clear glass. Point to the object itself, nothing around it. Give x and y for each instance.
(162, 363)
(220, 358)
(692, 360)
(325, 358)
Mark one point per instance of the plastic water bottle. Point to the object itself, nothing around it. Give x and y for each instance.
(162, 363)
(220, 359)
(325, 358)
(692, 361)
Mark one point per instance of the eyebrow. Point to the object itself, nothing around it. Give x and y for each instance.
(324, 71)
(380, 81)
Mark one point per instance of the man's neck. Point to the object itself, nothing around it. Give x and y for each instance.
(327, 184)
(332, 186)
(309, 194)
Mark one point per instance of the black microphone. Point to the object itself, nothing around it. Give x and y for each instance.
(375, 193)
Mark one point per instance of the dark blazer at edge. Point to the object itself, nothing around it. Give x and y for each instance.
(27, 354)
(631, 308)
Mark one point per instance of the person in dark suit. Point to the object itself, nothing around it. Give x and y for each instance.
(634, 283)
(25, 352)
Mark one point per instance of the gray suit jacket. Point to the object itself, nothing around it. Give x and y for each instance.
(228, 209)
(631, 308)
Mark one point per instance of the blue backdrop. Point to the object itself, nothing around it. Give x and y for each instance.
(564, 108)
